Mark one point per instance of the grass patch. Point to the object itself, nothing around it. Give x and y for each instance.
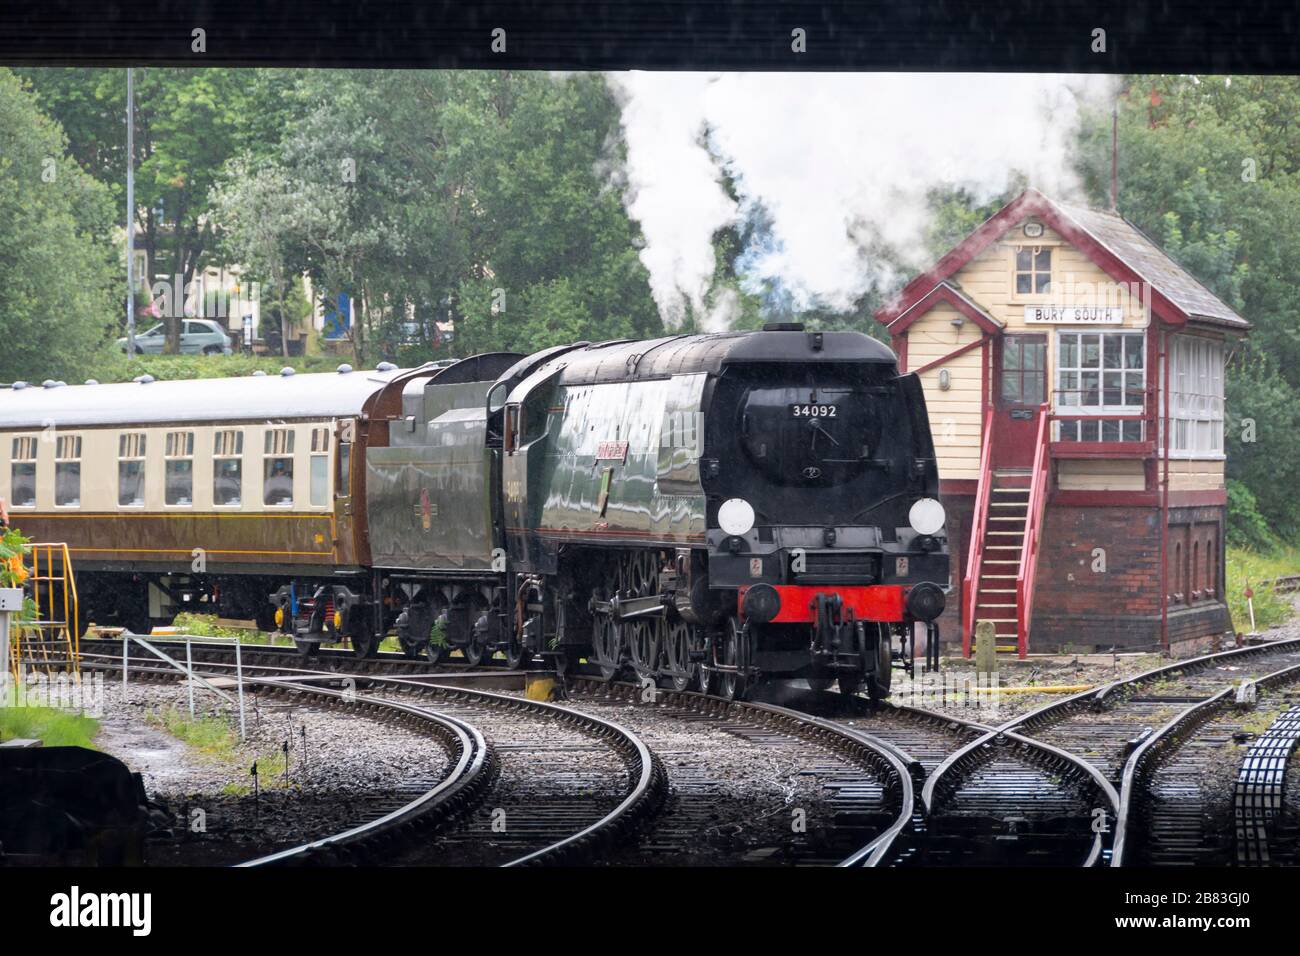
(206, 625)
(215, 737)
(1258, 570)
(54, 728)
(210, 735)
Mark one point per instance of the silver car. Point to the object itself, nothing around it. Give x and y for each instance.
(198, 337)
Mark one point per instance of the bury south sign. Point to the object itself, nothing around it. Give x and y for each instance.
(1072, 315)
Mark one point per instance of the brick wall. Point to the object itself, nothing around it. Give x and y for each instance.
(1079, 606)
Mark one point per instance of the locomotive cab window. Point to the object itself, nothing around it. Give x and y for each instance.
(22, 473)
(277, 467)
(178, 474)
(130, 469)
(228, 468)
(320, 446)
(67, 471)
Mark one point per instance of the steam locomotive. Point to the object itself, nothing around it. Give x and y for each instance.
(701, 510)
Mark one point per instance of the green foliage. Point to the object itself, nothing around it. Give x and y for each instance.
(117, 368)
(1246, 526)
(1258, 571)
(205, 625)
(54, 728)
(13, 546)
(57, 258)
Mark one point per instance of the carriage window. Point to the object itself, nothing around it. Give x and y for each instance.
(178, 486)
(228, 468)
(22, 474)
(67, 471)
(130, 469)
(343, 481)
(320, 446)
(277, 467)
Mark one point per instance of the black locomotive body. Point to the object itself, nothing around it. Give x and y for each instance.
(702, 510)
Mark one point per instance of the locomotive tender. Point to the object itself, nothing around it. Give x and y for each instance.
(702, 509)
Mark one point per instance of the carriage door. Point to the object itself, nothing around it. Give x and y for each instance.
(345, 435)
(1019, 388)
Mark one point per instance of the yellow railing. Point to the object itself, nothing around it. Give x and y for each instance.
(52, 639)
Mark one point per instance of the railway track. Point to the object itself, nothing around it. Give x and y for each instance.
(836, 795)
(1100, 729)
(1192, 795)
(506, 801)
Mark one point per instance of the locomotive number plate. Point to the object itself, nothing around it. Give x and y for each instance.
(813, 411)
(611, 451)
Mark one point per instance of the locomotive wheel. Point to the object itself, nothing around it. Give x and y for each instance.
(851, 681)
(677, 655)
(475, 651)
(363, 638)
(878, 683)
(644, 644)
(606, 646)
(820, 682)
(737, 646)
(515, 652)
(434, 653)
(308, 650)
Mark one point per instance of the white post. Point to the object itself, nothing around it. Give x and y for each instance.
(189, 674)
(126, 643)
(239, 681)
(4, 657)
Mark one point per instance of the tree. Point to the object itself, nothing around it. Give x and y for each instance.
(58, 261)
(188, 122)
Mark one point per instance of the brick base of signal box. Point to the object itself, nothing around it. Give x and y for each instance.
(1098, 580)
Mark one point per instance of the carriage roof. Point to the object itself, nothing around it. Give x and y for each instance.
(246, 398)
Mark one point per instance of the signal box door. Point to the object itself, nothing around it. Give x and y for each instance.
(1019, 388)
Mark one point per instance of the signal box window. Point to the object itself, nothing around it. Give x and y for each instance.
(1033, 271)
(277, 467)
(320, 446)
(228, 468)
(22, 474)
(178, 487)
(67, 471)
(130, 469)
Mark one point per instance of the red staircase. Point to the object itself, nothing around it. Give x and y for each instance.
(1003, 553)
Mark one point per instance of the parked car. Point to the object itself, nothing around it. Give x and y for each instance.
(198, 337)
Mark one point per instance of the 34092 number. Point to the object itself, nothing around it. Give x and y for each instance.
(814, 411)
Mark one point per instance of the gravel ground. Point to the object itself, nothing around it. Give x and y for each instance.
(947, 693)
(735, 793)
(349, 763)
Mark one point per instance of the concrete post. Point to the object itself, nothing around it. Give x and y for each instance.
(986, 648)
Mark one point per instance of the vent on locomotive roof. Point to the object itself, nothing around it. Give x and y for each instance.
(144, 379)
(92, 381)
(287, 371)
(782, 326)
(259, 374)
(18, 386)
(385, 367)
(344, 369)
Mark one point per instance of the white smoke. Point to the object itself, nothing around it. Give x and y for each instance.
(838, 162)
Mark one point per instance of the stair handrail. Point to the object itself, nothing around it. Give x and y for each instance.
(979, 522)
(1025, 575)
